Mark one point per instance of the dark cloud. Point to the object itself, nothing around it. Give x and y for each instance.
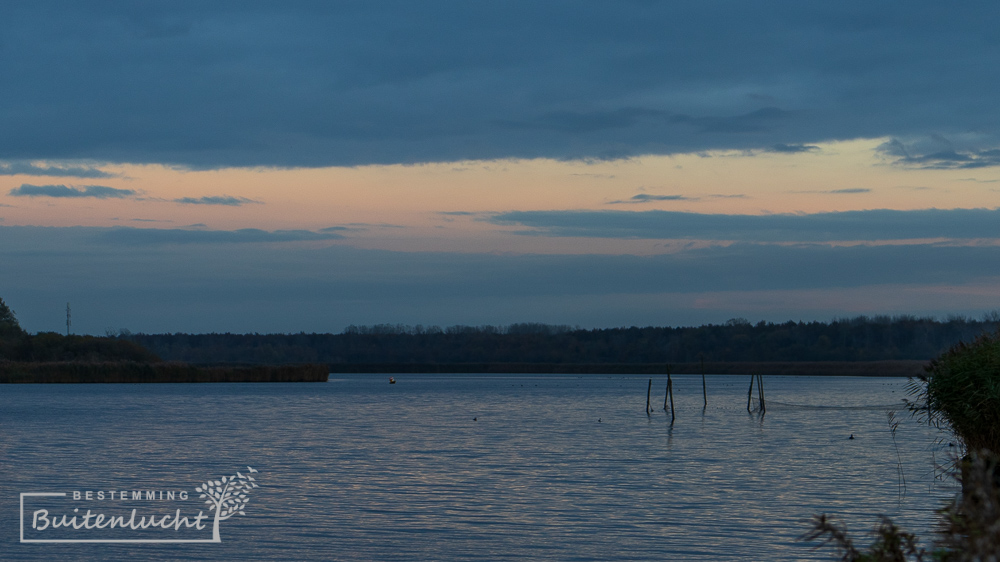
(216, 84)
(792, 148)
(760, 121)
(225, 200)
(575, 122)
(29, 169)
(845, 191)
(649, 198)
(157, 236)
(62, 191)
(365, 225)
(249, 287)
(937, 152)
(819, 227)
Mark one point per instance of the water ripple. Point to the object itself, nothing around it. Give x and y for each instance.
(483, 467)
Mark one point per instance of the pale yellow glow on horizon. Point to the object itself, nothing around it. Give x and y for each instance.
(401, 206)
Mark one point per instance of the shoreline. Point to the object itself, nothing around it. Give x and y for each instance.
(174, 372)
(167, 372)
(902, 368)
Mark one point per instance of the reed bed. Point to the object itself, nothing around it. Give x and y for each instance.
(140, 372)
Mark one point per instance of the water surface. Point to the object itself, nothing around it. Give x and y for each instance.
(484, 467)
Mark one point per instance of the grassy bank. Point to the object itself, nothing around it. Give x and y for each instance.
(807, 368)
(136, 372)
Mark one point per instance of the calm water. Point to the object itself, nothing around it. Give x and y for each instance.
(552, 467)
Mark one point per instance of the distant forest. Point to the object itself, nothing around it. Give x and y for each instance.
(863, 338)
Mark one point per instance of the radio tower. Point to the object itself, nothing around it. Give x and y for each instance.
(68, 321)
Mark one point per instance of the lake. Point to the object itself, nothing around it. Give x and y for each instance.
(476, 467)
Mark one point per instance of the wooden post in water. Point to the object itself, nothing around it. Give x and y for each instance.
(666, 395)
(670, 393)
(704, 391)
(760, 393)
(750, 392)
(648, 390)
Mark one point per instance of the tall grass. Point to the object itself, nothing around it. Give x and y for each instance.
(901, 478)
(961, 391)
(891, 543)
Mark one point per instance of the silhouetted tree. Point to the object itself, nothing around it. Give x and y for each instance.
(11, 334)
(9, 325)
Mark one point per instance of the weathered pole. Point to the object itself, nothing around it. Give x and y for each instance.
(704, 391)
(750, 392)
(760, 393)
(648, 390)
(666, 395)
(670, 393)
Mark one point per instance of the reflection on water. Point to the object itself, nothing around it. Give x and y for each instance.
(486, 467)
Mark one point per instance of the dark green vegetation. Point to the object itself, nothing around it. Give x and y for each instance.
(49, 357)
(961, 392)
(856, 339)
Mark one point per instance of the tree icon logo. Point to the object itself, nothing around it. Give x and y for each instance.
(227, 496)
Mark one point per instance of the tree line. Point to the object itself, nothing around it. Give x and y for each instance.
(860, 338)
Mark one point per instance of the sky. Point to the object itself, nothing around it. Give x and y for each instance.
(303, 166)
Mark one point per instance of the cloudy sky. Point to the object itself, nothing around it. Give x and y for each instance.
(302, 166)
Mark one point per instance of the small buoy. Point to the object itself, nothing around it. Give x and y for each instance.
(851, 437)
(475, 419)
(392, 380)
(598, 420)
